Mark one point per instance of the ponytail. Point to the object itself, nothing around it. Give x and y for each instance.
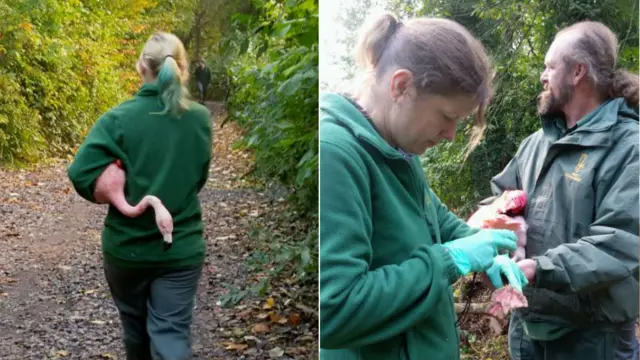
(625, 84)
(172, 92)
(374, 39)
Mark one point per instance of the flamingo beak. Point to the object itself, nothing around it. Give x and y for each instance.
(168, 241)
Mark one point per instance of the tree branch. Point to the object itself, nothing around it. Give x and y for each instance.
(474, 308)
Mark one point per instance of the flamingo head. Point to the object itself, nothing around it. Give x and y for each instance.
(514, 202)
(165, 224)
(164, 220)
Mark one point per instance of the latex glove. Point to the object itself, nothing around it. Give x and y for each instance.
(503, 265)
(475, 253)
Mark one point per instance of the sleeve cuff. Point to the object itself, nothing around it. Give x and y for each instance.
(544, 269)
(449, 266)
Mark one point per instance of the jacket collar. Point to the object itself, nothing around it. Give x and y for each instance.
(592, 129)
(362, 128)
(148, 89)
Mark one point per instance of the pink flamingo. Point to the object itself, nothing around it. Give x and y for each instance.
(110, 190)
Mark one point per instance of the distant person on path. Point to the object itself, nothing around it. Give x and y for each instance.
(164, 143)
(580, 171)
(389, 249)
(203, 78)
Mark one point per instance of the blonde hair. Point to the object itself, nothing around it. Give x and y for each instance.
(597, 47)
(443, 56)
(165, 57)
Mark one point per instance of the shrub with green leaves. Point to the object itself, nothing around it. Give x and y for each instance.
(274, 94)
(63, 64)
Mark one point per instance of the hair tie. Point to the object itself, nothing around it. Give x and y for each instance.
(171, 56)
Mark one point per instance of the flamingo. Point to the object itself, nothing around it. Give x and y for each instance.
(110, 190)
(505, 213)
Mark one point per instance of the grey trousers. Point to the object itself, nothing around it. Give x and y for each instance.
(156, 309)
(584, 344)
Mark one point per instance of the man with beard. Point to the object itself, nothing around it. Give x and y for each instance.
(580, 172)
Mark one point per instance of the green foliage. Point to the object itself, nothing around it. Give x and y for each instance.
(265, 66)
(285, 255)
(63, 64)
(274, 95)
(292, 257)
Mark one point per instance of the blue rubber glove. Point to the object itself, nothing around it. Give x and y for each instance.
(502, 264)
(475, 253)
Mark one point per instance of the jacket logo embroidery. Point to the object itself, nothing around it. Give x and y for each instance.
(427, 198)
(574, 175)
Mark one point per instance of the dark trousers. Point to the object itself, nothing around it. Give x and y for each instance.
(583, 344)
(202, 89)
(156, 309)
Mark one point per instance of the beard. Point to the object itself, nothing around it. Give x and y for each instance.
(550, 103)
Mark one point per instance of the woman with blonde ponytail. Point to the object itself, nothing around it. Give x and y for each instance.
(162, 139)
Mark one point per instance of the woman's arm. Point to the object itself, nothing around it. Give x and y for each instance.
(100, 148)
(360, 306)
(451, 226)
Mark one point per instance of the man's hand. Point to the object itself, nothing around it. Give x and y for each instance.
(528, 267)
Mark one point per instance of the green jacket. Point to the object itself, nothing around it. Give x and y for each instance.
(582, 216)
(163, 156)
(385, 281)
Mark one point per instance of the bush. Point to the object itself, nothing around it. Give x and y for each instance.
(62, 65)
(275, 96)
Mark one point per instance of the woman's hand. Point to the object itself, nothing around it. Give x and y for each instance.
(503, 265)
(475, 253)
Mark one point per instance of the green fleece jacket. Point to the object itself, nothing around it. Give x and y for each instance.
(582, 214)
(163, 156)
(385, 280)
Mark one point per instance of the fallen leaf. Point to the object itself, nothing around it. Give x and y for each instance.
(98, 322)
(250, 338)
(281, 329)
(294, 320)
(244, 314)
(234, 346)
(276, 352)
(62, 353)
(306, 338)
(269, 303)
(7, 280)
(274, 317)
(260, 328)
(263, 316)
